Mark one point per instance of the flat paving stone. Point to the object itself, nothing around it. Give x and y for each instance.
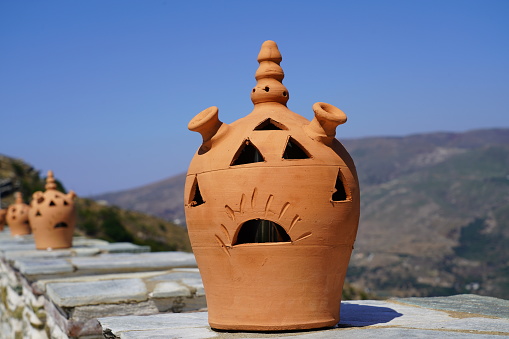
(96, 292)
(135, 262)
(178, 274)
(469, 303)
(123, 247)
(22, 246)
(87, 242)
(37, 254)
(196, 284)
(167, 289)
(359, 319)
(12, 248)
(46, 266)
(55, 263)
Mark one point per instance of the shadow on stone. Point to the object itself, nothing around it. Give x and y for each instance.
(353, 315)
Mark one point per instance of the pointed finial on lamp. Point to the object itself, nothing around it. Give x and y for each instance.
(19, 197)
(269, 76)
(50, 181)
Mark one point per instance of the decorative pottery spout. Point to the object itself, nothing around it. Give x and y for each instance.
(17, 216)
(272, 208)
(52, 216)
(2, 219)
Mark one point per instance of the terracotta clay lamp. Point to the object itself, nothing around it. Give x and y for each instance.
(2, 219)
(17, 216)
(272, 208)
(52, 216)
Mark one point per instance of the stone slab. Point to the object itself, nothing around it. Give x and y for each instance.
(12, 248)
(359, 319)
(87, 242)
(96, 292)
(6, 237)
(22, 246)
(123, 247)
(46, 266)
(178, 274)
(37, 254)
(167, 289)
(468, 303)
(135, 262)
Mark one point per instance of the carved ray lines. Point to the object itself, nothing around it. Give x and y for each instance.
(248, 205)
(267, 204)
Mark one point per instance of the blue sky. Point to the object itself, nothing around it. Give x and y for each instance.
(101, 91)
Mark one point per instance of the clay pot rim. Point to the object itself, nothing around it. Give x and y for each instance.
(203, 118)
(329, 112)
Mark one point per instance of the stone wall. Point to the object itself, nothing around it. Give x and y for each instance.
(61, 293)
(123, 291)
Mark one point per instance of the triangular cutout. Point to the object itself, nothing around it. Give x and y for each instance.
(52, 203)
(38, 213)
(195, 198)
(340, 190)
(247, 154)
(294, 150)
(270, 125)
(66, 203)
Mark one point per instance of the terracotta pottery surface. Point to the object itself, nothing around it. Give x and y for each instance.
(52, 216)
(17, 217)
(2, 219)
(272, 208)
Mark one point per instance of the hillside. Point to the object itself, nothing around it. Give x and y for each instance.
(434, 212)
(95, 220)
(164, 199)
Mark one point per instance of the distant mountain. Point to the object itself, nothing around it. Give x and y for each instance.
(164, 199)
(434, 212)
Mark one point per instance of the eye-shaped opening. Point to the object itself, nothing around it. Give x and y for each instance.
(247, 154)
(341, 192)
(66, 203)
(195, 197)
(294, 150)
(270, 125)
(38, 213)
(52, 203)
(261, 231)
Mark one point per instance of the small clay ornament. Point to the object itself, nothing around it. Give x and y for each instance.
(272, 208)
(17, 216)
(52, 216)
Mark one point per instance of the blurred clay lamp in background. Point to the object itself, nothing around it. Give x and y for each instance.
(272, 208)
(17, 216)
(2, 219)
(52, 216)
